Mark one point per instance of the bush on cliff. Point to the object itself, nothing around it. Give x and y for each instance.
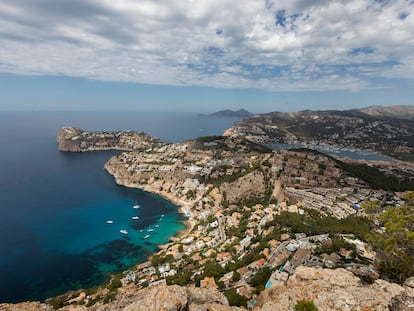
(303, 305)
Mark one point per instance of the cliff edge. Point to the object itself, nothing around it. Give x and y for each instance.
(329, 290)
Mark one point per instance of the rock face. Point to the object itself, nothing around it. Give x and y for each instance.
(25, 306)
(329, 290)
(333, 290)
(77, 140)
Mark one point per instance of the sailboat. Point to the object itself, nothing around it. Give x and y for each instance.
(136, 205)
(150, 229)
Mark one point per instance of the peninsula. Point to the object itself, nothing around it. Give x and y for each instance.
(241, 113)
(77, 140)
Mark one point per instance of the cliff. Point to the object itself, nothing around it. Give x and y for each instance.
(77, 140)
(329, 290)
(335, 290)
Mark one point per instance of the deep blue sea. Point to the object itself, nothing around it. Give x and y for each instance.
(54, 205)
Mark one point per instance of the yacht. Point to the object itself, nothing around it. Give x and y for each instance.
(109, 222)
(135, 217)
(147, 236)
(123, 231)
(136, 205)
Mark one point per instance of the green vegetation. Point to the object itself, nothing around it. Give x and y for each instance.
(233, 177)
(408, 157)
(371, 207)
(213, 269)
(157, 260)
(395, 247)
(260, 279)
(235, 299)
(255, 147)
(58, 302)
(115, 283)
(375, 178)
(209, 139)
(313, 223)
(337, 244)
(372, 175)
(304, 305)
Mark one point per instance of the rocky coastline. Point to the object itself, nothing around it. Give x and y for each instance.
(71, 139)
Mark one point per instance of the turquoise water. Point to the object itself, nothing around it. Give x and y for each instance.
(54, 206)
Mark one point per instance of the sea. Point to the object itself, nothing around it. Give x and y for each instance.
(54, 206)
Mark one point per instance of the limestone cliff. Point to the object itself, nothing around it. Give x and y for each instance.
(334, 290)
(77, 140)
(329, 289)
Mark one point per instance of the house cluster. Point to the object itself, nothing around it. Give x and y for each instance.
(338, 202)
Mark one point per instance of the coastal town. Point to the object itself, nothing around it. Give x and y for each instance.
(236, 195)
(365, 130)
(260, 223)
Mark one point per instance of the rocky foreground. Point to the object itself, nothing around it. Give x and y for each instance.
(328, 289)
(74, 139)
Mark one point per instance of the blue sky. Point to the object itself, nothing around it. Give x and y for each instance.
(205, 55)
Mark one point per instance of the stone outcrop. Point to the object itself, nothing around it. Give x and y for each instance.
(25, 306)
(329, 290)
(333, 290)
(73, 139)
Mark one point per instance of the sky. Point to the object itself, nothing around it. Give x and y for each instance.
(205, 55)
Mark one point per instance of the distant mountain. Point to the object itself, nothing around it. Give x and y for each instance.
(241, 113)
(387, 130)
(398, 112)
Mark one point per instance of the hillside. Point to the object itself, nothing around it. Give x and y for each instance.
(398, 112)
(372, 129)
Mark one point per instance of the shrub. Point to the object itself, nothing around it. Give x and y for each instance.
(304, 305)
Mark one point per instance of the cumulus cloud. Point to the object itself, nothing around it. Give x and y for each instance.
(272, 45)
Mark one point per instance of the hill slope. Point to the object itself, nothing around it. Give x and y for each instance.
(366, 129)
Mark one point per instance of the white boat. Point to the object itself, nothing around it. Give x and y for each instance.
(135, 217)
(109, 222)
(147, 236)
(136, 205)
(141, 230)
(123, 231)
(162, 215)
(157, 226)
(150, 230)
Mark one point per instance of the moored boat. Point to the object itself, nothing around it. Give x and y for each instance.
(135, 217)
(123, 231)
(109, 222)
